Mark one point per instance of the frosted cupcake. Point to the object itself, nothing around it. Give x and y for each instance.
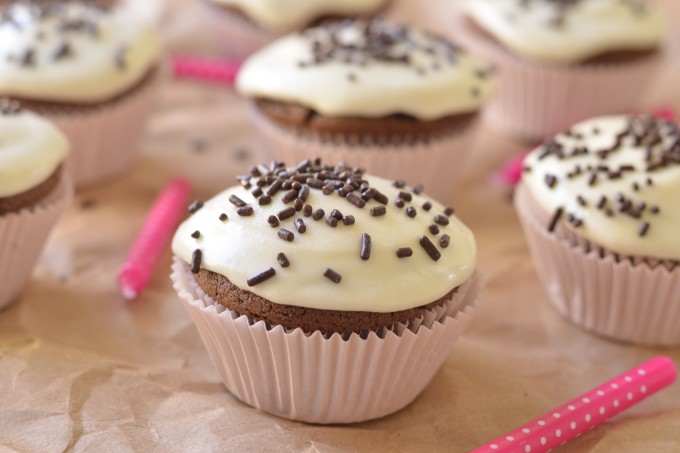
(599, 207)
(34, 191)
(244, 26)
(366, 282)
(398, 101)
(91, 71)
(563, 61)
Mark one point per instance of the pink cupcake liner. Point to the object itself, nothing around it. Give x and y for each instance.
(437, 164)
(236, 36)
(22, 236)
(535, 101)
(104, 140)
(626, 299)
(317, 379)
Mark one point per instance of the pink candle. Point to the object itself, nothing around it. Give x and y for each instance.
(205, 69)
(153, 238)
(586, 411)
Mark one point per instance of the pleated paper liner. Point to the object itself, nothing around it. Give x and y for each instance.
(22, 237)
(325, 379)
(436, 163)
(104, 140)
(622, 298)
(536, 100)
(234, 35)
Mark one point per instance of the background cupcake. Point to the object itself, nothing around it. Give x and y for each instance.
(395, 100)
(348, 274)
(90, 70)
(599, 208)
(563, 61)
(244, 26)
(33, 192)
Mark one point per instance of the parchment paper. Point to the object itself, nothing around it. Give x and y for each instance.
(82, 370)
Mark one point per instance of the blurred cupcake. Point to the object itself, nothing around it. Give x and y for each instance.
(599, 207)
(244, 26)
(323, 294)
(398, 101)
(91, 71)
(563, 61)
(34, 191)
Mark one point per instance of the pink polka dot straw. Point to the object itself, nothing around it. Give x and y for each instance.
(153, 238)
(207, 70)
(586, 411)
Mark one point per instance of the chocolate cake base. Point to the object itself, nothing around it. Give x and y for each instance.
(32, 196)
(388, 129)
(308, 319)
(614, 56)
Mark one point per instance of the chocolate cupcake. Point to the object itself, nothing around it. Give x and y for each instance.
(33, 192)
(598, 204)
(244, 26)
(398, 101)
(350, 274)
(563, 61)
(90, 70)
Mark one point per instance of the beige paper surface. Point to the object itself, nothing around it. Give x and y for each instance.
(82, 370)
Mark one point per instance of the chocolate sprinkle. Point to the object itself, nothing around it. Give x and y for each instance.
(434, 229)
(404, 252)
(195, 206)
(378, 211)
(282, 259)
(337, 214)
(236, 201)
(444, 241)
(430, 248)
(355, 200)
(555, 218)
(264, 200)
(245, 211)
(398, 202)
(307, 210)
(411, 211)
(331, 275)
(196, 258)
(286, 235)
(365, 252)
(300, 225)
(286, 213)
(427, 206)
(348, 220)
(331, 221)
(273, 221)
(224, 217)
(261, 277)
(644, 227)
(550, 180)
(196, 234)
(449, 211)
(318, 214)
(441, 220)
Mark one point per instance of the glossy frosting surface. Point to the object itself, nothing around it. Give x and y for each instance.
(368, 69)
(71, 53)
(567, 32)
(639, 179)
(244, 246)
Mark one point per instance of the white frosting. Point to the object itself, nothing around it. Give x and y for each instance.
(31, 149)
(291, 14)
(620, 232)
(242, 247)
(590, 27)
(90, 72)
(433, 85)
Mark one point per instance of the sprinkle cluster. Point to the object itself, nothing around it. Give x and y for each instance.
(658, 140)
(65, 19)
(360, 43)
(293, 186)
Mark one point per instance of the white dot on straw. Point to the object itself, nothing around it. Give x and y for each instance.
(556, 415)
(543, 440)
(616, 403)
(602, 410)
(571, 408)
(615, 385)
(642, 372)
(586, 399)
(573, 425)
(587, 417)
(630, 396)
(600, 393)
(525, 430)
(510, 438)
(628, 379)
(541, 422)
(558, 432)
(494, 446)
(643, 389)
(527, 448)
